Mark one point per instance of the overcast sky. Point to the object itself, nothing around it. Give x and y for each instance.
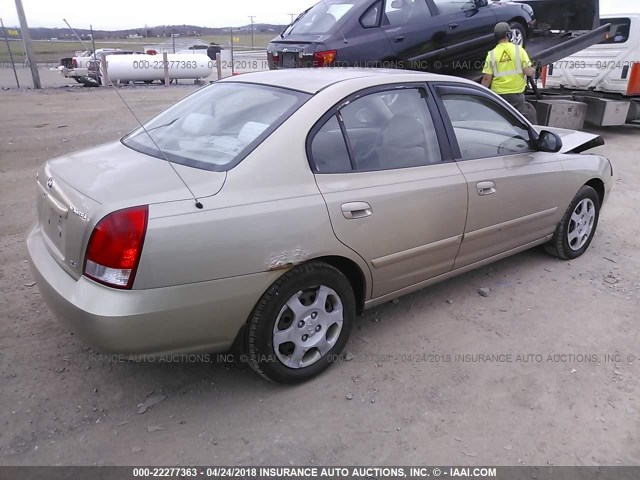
(117, 14)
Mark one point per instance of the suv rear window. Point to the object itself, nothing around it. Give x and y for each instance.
(218, 126)
(620, 28)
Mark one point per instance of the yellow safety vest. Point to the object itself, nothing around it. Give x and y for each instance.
(506, 64)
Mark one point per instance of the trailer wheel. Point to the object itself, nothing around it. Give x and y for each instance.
(89, 82)
(518, 34)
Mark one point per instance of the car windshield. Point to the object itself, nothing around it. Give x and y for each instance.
(218, 126)
(321, 18)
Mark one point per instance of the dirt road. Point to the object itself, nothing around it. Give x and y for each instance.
(444, 376)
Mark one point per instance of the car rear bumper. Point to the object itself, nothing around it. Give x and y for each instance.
(199, 317)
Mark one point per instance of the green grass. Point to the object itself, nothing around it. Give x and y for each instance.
(51, 52)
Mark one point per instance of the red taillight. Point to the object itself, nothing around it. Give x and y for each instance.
(324, 59)
(275, 58)
(74, 63)
(114, 249)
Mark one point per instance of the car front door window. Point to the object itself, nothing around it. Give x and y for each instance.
(484, 128)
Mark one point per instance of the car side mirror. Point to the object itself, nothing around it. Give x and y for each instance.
(549, 142)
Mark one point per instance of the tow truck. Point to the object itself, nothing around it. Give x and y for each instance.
(605, 76)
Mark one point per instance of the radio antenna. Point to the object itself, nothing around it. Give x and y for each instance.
(337, 27)
(199, 205)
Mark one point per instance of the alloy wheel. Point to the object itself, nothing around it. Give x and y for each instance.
(581, 224)
(308, 327)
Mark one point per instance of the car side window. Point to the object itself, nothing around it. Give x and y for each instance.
(329, 149)
(447, 7)
(371, 18)
(391, 129)
(404, 12)
(484, 128)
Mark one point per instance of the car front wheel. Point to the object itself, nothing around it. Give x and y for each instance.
(577, 227)
(301, 324)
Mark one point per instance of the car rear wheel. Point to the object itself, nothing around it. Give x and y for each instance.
(518, 34)
(301, 324)
(578, 226)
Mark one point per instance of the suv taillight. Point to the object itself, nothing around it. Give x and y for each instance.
(115, 246)
(324, 59)
(74, 63)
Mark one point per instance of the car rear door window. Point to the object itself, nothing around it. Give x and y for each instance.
(484, 129)
(384, 130)
(391, 129)
(329, 149)
(404, 12)
(371, 18)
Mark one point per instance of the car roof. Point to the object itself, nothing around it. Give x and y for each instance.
(313, 80)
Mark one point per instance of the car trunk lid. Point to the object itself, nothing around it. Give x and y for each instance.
(78, 190)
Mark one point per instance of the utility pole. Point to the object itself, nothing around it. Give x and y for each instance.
(26, 36)
(293, 16)
(251, 17)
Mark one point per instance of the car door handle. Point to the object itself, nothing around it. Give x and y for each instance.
(453, 26)
(486, 188)
(399, 39)
(356, 210)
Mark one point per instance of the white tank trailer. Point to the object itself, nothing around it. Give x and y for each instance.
(147, 68)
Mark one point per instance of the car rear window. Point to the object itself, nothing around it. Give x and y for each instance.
(321, 18)
(218, 126)
(620, 28)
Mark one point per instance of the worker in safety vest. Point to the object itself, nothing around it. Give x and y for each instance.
(506, 70)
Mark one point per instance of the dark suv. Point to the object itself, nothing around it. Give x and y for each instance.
(413, 34)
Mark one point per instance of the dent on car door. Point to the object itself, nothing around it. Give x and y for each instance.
(391, 197)
(515, 191)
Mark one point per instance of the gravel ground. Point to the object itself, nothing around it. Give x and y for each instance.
(397, 397)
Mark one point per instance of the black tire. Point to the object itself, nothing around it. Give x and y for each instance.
(559, 245)
(521, 30)
(260, 336)
(89, 81)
